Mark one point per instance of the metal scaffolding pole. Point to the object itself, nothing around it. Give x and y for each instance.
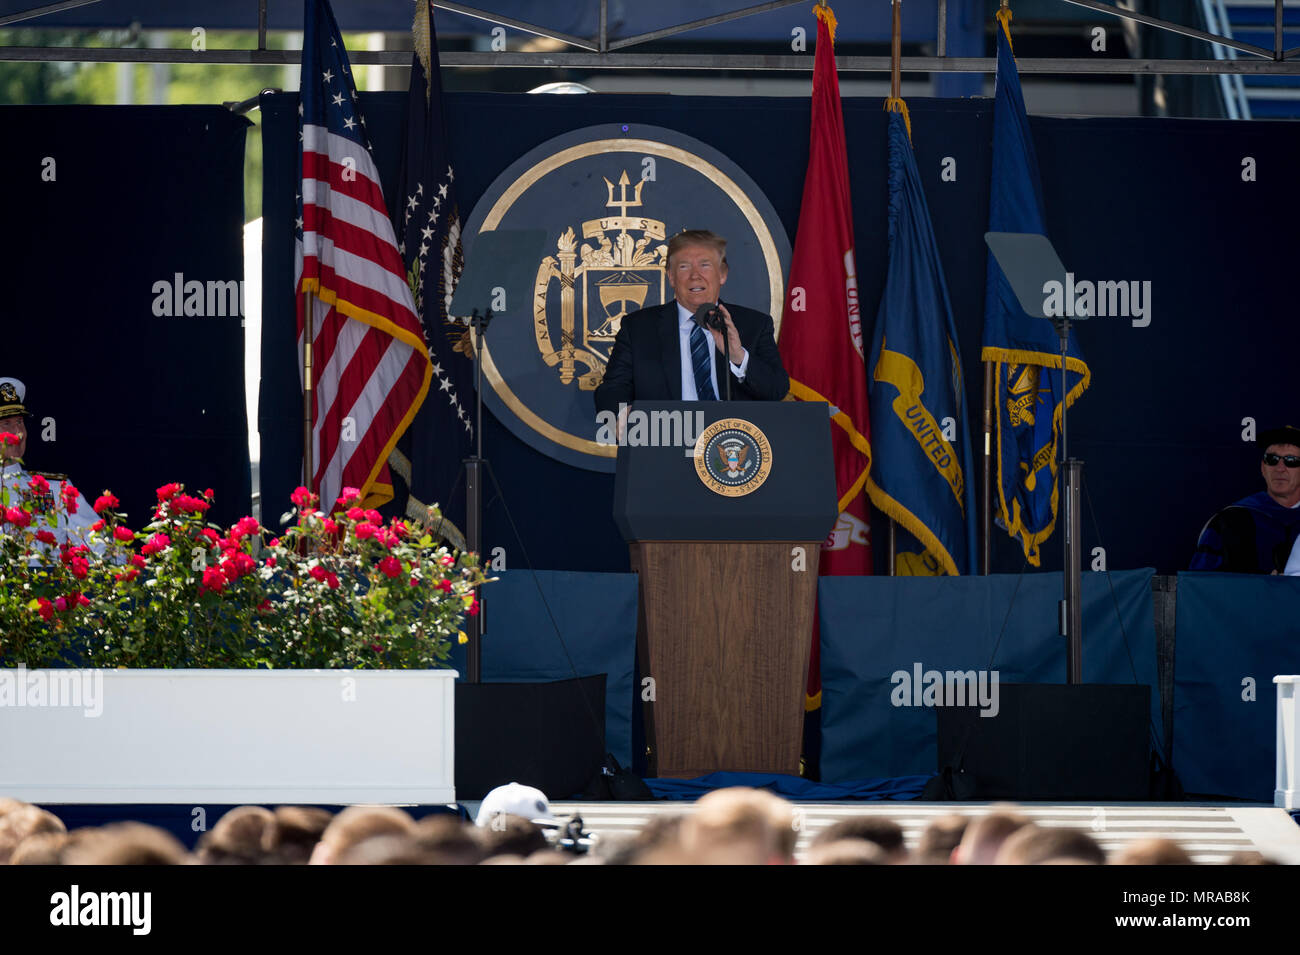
(664, 61)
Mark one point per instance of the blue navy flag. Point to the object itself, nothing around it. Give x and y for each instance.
(1026, 353)
(428, 226)
(920, 445)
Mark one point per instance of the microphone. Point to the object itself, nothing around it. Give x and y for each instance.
(708, 316)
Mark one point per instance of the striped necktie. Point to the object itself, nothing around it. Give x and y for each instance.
(701, 358)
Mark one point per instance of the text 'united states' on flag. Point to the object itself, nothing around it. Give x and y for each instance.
(369, 360)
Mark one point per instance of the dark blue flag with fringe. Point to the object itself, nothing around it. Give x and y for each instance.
(428, 229)
(1025, 351)
(920, 442)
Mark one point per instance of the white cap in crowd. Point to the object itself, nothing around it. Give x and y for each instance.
(515, 799)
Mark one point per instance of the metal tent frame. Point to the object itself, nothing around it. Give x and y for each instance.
(601, 52)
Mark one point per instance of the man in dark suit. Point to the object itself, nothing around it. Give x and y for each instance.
(661, 354)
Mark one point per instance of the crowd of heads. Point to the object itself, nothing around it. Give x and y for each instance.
(726, 827)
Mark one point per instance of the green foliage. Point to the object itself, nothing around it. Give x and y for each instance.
(339, 591)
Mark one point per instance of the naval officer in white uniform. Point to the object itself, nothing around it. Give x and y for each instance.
(16, 479)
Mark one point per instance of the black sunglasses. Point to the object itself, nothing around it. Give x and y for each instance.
(1290, 460)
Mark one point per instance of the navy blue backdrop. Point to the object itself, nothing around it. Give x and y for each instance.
(1127, 199)
(1225, 701)
(872, 627)
(138, 195)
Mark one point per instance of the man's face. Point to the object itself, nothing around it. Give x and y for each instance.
(1283, 483)
(696, 274)
(14, 425)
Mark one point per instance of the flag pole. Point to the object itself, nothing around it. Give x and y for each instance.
(895, 94)
(308, 425)
(896, 53)
(986, 495)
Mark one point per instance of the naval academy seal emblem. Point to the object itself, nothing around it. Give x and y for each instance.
(608, 198)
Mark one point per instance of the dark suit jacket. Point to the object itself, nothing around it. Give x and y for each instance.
(646, 362)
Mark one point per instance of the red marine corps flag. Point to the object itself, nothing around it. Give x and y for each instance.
(821, 329)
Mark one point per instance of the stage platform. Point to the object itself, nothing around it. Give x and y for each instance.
(1210, 832)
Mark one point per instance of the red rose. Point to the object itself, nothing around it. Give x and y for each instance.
(127, 575)
(83, 600)
(106, 501)
(9, 438)
(60, 603)
(46, 609)
(332, 579)
(376, 647)
(302, 497)
(155, 543)
(273, 542)
(391, 566)
(473, 609)
(38, 484)
(123, 534)
(447, 560)
(208, 494)
(349, 495)
(18, 516)
(415, 582)
(331, 527)
(356, 514)
(374, 517)
(366, 530)
(244, 527)
(213, 580)
(264, 606)
(270, 561)
(238, 564)
(185, 504)
(45, 537)
(444, 586)
(138, 561)
(318, 572)
(400, 528)
(98, 525)
(167, 491)
(80, 567)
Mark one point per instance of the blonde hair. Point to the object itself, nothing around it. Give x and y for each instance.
(688, 237)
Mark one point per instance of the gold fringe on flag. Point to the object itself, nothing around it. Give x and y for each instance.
(827, 16)
(897, 105)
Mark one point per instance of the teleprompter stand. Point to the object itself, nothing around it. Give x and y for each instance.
(498, 272)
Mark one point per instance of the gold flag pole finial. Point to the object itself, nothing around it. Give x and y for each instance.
(895, 101)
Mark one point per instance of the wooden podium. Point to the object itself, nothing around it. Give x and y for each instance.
(725, 537)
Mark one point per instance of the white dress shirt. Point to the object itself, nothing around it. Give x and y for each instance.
(685, 325)
(1293, 562)
(70, 528)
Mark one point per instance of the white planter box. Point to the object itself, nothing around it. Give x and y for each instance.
(1287, 793)
(227, 736)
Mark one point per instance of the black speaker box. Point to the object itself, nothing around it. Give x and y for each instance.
(1057, 742)
(547, 735)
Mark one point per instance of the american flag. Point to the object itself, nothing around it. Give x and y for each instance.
(370, 363)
